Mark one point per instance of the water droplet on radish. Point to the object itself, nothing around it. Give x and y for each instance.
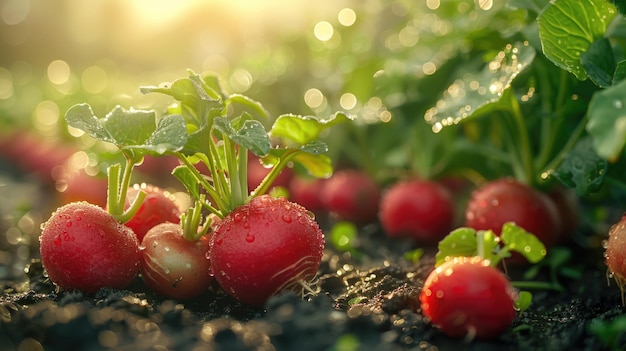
(69, 224)
(167, 271)
(188, 266)
(246, 225)
(237, 217)
(287, 218)
(167, 249)
(495, 203)
(250, 238)
(605, 244)
(439, 294)
(311, 215)
(57, 240)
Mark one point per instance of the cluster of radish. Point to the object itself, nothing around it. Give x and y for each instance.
(254, 245)
(466, 294)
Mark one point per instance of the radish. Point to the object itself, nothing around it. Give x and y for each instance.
(83, 247)
(172, 265)
(419, 209)
(615, 254)
(260, 245)
(266, 246)
(466, 297)
(157, 207)
(306, 192)
(508, 200)
(352, 196)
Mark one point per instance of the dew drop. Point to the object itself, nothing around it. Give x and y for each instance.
(188, 266)
(57, 240)
(237, 217)
(250, 238)
(287, 218)
(605, 244)
(439, 294)
(167, 271)
(246, 225)
(167, 249)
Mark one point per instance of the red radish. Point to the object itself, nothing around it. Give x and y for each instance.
(158, 207)
(306, 192)
(466, 297)
(173, 266)
(33, 155)
(352, 195)
(508, 200)
(419, 209)
(615, 254)
(263, 247)
(74, 184)
(83, 247)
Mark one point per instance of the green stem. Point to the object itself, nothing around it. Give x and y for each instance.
(192, 230)
(569, 145)
(118, 184)
(220, 181)
(205, 185)
(273, 174)
(537, 285)
(522, 131)
(113, 183)
(550, 128)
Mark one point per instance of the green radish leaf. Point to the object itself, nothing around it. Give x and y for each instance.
(296, 131)
(414, 255)
(517, 239)
(237, 101)
(620, 72)
(189, 90)
(524, 299)
(607, 121)
(477, 94)
(599, 62)
(582, 168)
(315, 147)
(318, 166)
(187, 179)
(620, 5)
(251, 135)
(460, 242)
(132, 130)
(568, 28)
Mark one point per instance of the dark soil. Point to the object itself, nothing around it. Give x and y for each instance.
(367, 302)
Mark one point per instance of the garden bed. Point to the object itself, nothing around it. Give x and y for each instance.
(369, 303)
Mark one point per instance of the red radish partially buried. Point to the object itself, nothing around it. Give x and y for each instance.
(173, 266)
(265, 246)
(83, 247)
(466, 297)
(419, 209)
(158, 207)
(508, 200)
(352, 195)
(615, 254)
